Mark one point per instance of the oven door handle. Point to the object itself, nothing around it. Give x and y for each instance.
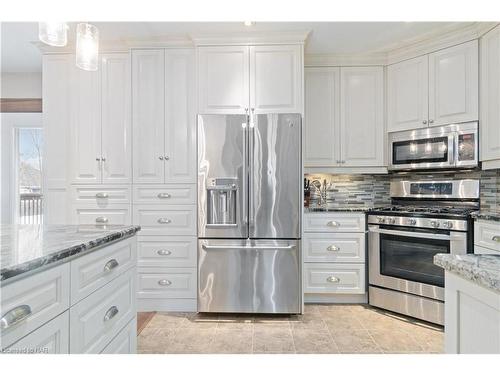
(411, 234)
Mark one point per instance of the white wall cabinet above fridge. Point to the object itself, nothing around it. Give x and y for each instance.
(164, 116)
(100, 129)
(437, 89)
(236, 79)
(344, 117)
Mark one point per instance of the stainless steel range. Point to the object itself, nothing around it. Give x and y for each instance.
(427, 217)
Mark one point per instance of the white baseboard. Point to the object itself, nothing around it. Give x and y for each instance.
(166, 304)
(336, 298)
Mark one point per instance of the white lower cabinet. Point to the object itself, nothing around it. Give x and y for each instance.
(166, 219)
(125, 342)
(166, 251)
(334, 246)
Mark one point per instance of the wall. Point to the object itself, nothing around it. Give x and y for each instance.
(21, 85)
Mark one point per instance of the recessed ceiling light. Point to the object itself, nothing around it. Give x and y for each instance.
(249, 23)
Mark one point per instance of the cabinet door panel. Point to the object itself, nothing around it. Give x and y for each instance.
(322, 117)
(453, 84)
(85, 126)
(276, 79)
(362, 131)
(148, 115)
(180, 117)
(408, 92)
(223, 74)
(116, 126)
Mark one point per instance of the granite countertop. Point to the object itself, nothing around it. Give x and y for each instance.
(483, 270)
(486, 215)
(27, 249)
(340, 208)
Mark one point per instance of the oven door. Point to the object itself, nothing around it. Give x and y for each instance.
(423, 153)
(403, 259)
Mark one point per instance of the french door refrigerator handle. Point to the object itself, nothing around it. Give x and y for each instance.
(251, 161)
(244, 176)
(226, 247)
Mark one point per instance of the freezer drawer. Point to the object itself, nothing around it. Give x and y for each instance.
(249, 276)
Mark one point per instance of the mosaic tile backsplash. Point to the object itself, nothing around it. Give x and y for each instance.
(373, 190)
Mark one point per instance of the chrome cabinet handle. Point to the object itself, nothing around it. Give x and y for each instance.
(113, 263)
(424, 122)
(101, 195)
(431, 121)
(97, 159)
(163, 195)
(101, 219)
(111, 313)
(333, 248)
(103, 159)
(160, 157)
(15, 316)
(163, 220)
(164, 252)
(167, 157)
(496, 238)
(333, 279)
(164, 282)
(333, 224)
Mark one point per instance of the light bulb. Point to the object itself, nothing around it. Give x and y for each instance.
(53, 33)
(87, 46)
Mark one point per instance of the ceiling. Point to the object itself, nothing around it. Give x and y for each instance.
(19, 55)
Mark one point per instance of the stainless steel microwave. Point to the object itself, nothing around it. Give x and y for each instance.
(443, 147)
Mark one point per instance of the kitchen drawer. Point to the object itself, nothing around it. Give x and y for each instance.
(165, 194)
(51, 338)
(117, 215)
(92, 271)
(100, 196)
(487, 234)
(335, 247)
(166, 283)
(45, 294)
(166, 220)
(125, 342)
(337, 222)
(97, 319)
(166, 251)
(485, 250)
(334, 278)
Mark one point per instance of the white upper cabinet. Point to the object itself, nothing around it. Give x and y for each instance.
(362, 131)
(407, 94)
(453, 84)
(322, 117)
(223, 79)
(234, 79)
(164, 116)
(180, 116)
(490, 99)
(148, 106)
(116, 125)
(276, 79)
(85, 126)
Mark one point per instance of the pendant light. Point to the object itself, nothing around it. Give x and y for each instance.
(87, 46)
(53, 33)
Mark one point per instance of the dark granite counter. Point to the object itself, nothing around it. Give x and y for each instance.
(486, 215)
(27, 249)
(340, 208)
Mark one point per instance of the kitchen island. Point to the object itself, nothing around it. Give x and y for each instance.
(67, 289)
(472, 303)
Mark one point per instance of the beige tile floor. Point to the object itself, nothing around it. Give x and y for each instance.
(322, 329)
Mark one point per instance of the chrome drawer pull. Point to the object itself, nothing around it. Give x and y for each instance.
(333, 224)
(113, 263)
(15, 316)
(163, 195)
(496, 238)
(111, 313)
(164, 282)
(101, 219)
(333, 279)
(333, 248)
(163, 220)
(101, 195)
(164, 252)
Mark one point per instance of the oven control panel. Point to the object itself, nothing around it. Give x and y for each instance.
(419, 222)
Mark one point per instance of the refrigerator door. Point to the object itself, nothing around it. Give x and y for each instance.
(249, 276)
(222, 176)
(275, 200)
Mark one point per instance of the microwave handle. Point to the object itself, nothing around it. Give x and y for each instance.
(452, 148)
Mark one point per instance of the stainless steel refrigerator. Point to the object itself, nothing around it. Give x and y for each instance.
(249, 213)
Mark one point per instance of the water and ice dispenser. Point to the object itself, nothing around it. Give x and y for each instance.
(221, 201)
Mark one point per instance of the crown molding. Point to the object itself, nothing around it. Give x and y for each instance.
(254, 38)
(104, 47)
(369, 59)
